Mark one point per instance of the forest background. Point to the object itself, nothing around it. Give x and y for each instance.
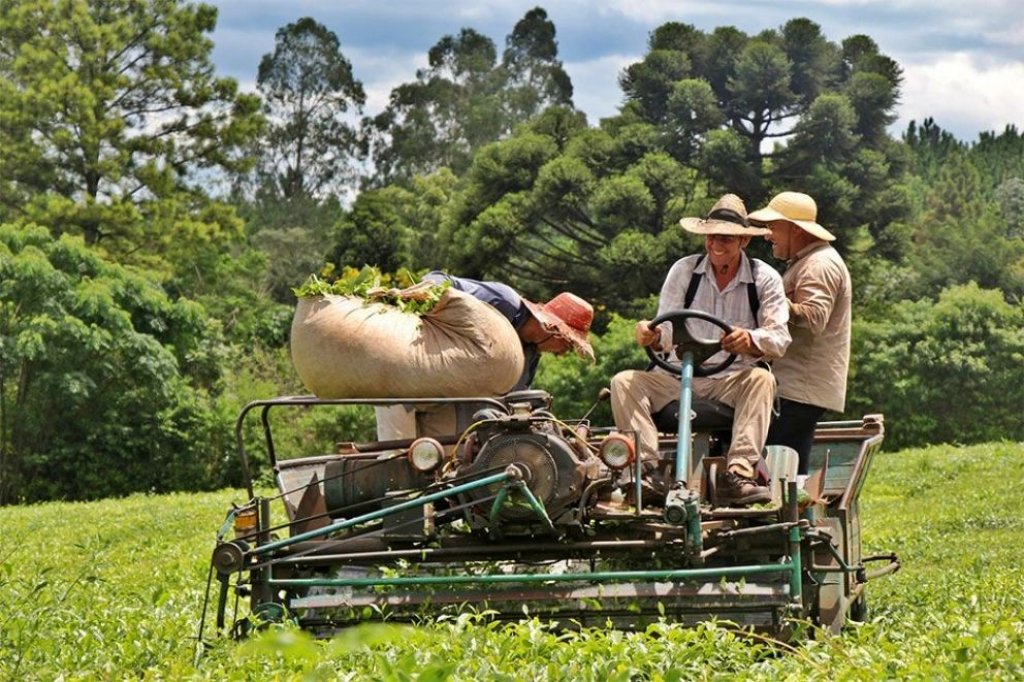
(154, 220)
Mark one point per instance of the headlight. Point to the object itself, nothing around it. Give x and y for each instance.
(617, 451)
(425, 454)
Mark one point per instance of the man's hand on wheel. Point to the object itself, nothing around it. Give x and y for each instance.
(740, 342)
(645, 336)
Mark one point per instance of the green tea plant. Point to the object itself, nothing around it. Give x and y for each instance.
(371, 285)
(113, 590)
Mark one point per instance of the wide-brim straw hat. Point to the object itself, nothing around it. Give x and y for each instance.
(794, 207)
(568, 316)
(728, 216)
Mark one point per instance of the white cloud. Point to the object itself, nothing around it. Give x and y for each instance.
(962, 95)
(381, 71)
(595, 85)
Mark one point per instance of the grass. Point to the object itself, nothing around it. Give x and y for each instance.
(112, 590)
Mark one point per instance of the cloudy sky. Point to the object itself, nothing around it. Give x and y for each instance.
(963, 61)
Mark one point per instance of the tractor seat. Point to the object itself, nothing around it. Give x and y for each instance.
(711, 415)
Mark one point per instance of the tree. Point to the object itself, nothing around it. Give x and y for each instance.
(533, 76)
(961, 237)
(942, 372)
(570, 207)
(114, 123)
(103, 379)
(465, 99)
(308, 87)
(373, 232)
(720, 98)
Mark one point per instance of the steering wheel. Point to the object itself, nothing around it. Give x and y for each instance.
(683, 341)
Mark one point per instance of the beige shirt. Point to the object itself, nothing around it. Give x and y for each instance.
(815, 366)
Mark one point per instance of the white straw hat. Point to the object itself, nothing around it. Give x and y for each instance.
(794, 207)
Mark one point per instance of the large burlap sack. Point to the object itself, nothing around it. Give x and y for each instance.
(343, 347)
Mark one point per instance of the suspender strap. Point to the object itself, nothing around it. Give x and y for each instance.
(752, 297)
(695, 278)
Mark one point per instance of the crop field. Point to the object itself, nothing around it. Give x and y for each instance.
(112, 590)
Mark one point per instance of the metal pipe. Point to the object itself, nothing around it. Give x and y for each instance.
(536, 505)
(695, 535)
(796, 576)
(685, 407)
(606, 576)
(891, 567)
(499, 502)
(757, 530)
(381, 513)
(261, 591)
(536, 551)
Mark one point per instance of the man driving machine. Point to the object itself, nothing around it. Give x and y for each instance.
(748, 295)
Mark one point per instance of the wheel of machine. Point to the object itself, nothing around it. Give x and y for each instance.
(529, 452)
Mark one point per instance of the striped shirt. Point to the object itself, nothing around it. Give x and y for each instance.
(731, 305)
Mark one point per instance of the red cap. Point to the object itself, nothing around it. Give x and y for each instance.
(568, 316)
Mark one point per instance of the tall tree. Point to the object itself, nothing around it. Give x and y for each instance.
(114, 122)
(533, 76)
(722, 97)
(466, 99)
(308, 90)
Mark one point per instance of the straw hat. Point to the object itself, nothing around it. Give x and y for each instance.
(727, 216)
(568, 316)
(794, 207)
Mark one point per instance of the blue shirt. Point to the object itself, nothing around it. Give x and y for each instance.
(506, 301)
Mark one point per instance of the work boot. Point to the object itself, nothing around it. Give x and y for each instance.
(739, 487)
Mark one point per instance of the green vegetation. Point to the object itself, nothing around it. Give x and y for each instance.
(370, 285)
(113, 590)
(154, 221)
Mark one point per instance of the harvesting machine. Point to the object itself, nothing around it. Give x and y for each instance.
(524, 513)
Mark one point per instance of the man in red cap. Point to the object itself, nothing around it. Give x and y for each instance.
(558, 326)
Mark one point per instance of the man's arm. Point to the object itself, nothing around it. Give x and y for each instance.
(671, 297)
(815, 294)
(772, 337)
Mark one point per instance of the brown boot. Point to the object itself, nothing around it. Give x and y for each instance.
(739, 487)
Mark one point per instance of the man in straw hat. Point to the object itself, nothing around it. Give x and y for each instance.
(556, 327)
(812, 374)
(725, 278)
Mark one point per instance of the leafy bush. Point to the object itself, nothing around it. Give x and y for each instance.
(103, 378)
(942, 372)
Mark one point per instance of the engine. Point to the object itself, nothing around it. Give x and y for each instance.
(555, 465)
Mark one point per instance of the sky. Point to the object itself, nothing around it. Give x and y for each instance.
(963, 61)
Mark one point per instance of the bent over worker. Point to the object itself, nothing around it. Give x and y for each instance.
(556, 327)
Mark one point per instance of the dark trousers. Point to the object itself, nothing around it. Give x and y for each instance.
(794, 427)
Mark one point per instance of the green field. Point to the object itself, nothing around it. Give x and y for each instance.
(113, 590)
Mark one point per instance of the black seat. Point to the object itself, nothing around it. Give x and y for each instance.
(538, 400)
(711, 416)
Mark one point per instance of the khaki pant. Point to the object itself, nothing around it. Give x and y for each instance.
(750, 392)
